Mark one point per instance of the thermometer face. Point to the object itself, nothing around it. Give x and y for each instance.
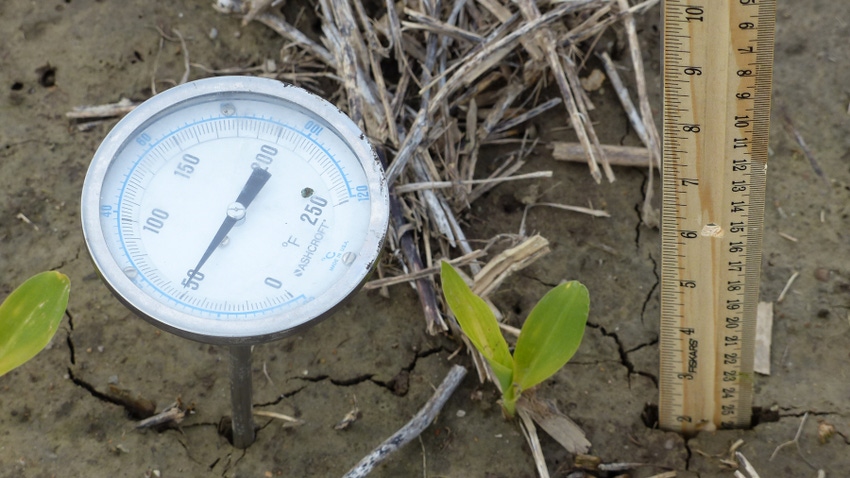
(234, 210)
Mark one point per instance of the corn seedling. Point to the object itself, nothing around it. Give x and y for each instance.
(30, 316)
(549, 337)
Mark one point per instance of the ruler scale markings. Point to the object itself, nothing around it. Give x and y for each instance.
(716, 121)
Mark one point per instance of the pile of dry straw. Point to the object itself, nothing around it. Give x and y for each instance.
(432, 82)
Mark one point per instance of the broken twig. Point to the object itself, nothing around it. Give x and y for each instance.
(745, 464)
(171, 415)
(787, 286)
(633, 156)
(110, 110)
(289, 421)
(414, 427)
(795, 442)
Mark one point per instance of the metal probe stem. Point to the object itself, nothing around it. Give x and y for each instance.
(241, 396)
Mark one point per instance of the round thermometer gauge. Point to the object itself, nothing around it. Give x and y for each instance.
(234, 209)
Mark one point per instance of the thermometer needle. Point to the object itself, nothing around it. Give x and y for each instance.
(235, 212)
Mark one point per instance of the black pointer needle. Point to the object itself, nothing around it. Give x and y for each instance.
(235, 212)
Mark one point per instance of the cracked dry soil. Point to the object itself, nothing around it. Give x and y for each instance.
(71, 410)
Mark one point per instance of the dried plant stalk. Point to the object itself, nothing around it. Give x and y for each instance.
(512, 260)
(617, 155)
(432, 82)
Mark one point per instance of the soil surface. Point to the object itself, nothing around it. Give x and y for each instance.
(71, 411)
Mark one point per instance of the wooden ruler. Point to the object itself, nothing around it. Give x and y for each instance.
(718, 64)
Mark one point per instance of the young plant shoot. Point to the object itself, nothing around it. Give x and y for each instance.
(30, 316)
(549, 337)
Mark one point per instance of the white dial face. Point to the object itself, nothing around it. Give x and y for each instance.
(241, 215)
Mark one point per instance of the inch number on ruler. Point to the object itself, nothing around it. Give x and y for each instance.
(718, 63)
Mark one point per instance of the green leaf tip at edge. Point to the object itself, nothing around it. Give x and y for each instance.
(478, 323)
(551, 334)
(30, 316)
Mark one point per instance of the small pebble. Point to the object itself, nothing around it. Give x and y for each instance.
(213, 33)
(461, 413)
(112, 380)
(668, 444)
(822, 274)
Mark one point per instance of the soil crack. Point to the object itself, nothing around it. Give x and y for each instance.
(230, 463)
(317, 378)
(71, 349)
(128, 404)
(136, 406)
(652, 289)
(398, 385)
(643, 187)
(82, 383)
(624, 354)
(537, 279)
(353, 380)
(280, 397)
(689, 452)
(640, 346)
(809, 412)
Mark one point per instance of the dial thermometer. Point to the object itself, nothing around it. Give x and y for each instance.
(235, 211)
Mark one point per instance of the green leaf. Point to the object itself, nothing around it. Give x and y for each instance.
(551, 334)
(30, 316)
(478, 323)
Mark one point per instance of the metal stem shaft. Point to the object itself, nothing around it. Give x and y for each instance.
(241, 396)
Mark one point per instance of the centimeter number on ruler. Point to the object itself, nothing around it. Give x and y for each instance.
(718, 63)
